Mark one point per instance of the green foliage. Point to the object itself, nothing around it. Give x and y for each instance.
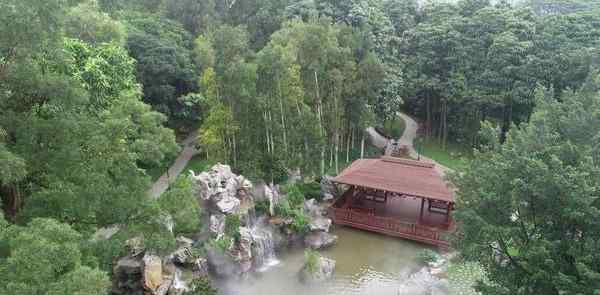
(310, 190)
(53, 250)
(181, 204)
(453, 156)
(202, 286)
(426, 256)
(464, 276)
(87, 23)
(300, 222)
(222, 244)
(232, 226)
(295, 196)
(311, 260)
(527, 208)
(162, 49)
(261, 207)
(83, 280)
(216, 130)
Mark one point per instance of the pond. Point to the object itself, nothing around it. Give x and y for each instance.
(366, 263)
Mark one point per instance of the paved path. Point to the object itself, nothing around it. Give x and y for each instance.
(189, 150)
(407, 139)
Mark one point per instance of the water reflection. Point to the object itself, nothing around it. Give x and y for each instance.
(366, 263)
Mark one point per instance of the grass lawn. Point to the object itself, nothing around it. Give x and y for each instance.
(454, 157)
(198, 164)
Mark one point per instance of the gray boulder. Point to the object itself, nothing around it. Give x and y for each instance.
(217, 224)
(320, 240)
(200, 267)
(184, 242)
(320, 223)
(228, 205)
(328, 188)
(321, 272)
(128, 275)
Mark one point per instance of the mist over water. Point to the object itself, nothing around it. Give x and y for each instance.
(366, 263)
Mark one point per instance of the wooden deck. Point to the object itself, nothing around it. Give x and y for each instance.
(397, 217)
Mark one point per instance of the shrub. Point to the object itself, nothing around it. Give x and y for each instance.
(202, 286)
(221, 244)
(426, 256)
(295, 197)
(311, 260)
(310, 190)
(180, 203)
(300, 222)
(232, 226)
(261, 207)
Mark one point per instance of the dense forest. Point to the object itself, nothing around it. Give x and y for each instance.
(94, 93)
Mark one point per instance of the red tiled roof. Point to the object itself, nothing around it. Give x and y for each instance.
(397, 175)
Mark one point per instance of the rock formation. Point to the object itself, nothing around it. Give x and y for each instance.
(321, 272)
(328, 188)
(320, 240)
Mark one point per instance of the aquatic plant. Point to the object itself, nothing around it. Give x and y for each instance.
(426, 256)
(311, 260)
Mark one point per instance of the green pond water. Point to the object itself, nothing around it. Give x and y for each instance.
(366, 263)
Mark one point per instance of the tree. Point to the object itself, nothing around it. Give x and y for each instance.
(162, 49)
(216, 131)
(528, 208)
(53, 250)
(181, 204)
(87, 23)
(195, 16)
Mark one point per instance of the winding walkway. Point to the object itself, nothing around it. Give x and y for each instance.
(407, 139)
(188, 151)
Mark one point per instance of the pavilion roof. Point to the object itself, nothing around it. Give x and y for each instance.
(397, 175)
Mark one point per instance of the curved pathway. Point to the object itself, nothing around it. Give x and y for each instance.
(188, 151)
(407, 139)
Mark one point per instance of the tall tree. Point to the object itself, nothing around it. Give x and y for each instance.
(529, 208)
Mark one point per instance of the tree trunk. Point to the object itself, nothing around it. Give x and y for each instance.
(445, 124)
(267, 132)
(348, 139)
(320, 119)
(362, 146)
(271, 133)
(428, 107)
(233, 139)
(285, 146)
(352, 137)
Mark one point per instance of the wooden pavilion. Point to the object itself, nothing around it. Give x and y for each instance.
(398, 197)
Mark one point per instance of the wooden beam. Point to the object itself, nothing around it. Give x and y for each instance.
(421, 214)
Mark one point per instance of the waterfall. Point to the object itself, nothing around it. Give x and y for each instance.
(263, 248)
(178, 283)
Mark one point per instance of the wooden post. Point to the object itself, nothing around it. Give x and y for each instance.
(422, 205)
(450, 205)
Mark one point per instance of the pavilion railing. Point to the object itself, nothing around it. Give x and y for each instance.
(389, 226)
